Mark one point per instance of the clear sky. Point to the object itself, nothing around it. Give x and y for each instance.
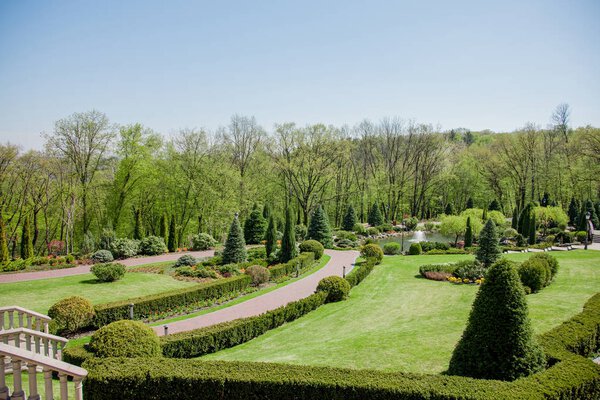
(175, 64)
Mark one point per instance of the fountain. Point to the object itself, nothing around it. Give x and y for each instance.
(418, 236)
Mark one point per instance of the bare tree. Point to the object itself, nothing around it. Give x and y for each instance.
(560, 119)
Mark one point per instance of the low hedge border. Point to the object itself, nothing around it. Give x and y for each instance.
(303, 262)
(570, 376)
(359, 273)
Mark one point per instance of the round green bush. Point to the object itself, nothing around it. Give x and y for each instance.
(203, 241)
(392, 248)
(312, 246)
(108, 272)
(125, 338)
(124, 248)
(359, 228)
(550, 260)
(258, 274)
(534, 274)
(415, 249)
(372, 250)
(152, 245)
(469, 269)
(102, 256)
(72, 314)
(186, 260)
(337, 288)
(372, 231)
(580, 236)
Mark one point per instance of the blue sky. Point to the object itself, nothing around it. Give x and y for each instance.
(176, 64)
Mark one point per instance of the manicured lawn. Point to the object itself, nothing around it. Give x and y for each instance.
(397, 321)
(41, 294)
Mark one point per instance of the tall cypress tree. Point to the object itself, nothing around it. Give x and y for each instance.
(138, 230)
(254, 227)
(319, 229)
(235, 247)
(26, 240)
(573, 212)
(469, 233)
(4, 256)
(489, 246)
(494, 205)
(515, 219)
(349, 219)
(266, 213)
(288, 242)
(470, 203)
(172, 242)
(532, 229)
(271, 236)
(498, 342)
(449, 209)
(594, 217)
(375, 218)
(164, 228)
(524, 219)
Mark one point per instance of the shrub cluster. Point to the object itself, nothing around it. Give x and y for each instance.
(108, 272)
(125, 339)
(415, 249)
(102, 256)
(372, 250)
(471, 270)
(314, 247)
(196, 272)
(186, 260)
(538, 271)
(428, 246)
(152, 245)
(258, 274)
(301, 263)
(337, 288)
(392, 248)
(71, 314)
(124, 248)
(203, 241)
(446, 268)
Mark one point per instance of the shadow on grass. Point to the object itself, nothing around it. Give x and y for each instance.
(92, 281)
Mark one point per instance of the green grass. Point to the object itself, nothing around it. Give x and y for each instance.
(39, 295)
(40, 385)
(397, 321)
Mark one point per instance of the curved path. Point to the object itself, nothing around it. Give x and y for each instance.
(84, 269)
(269, 301)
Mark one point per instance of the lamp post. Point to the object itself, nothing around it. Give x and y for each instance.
(587, 228)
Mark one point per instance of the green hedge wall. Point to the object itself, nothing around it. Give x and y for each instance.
(570, 376)
(304, 261)
(228, 334)
(147, 305)
(358, 274)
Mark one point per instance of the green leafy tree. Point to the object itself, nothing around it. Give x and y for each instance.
(319, 228)
(469, 234)
(26, 240)
(349, 219)
(138, 230)
(271, 237)
(4, 256)
(288, 242)
(172, 242)
(489, 247)
(235, 247)
(164, 228)
(375, 218)
(255, 227)
(498, 341)
(494, 205)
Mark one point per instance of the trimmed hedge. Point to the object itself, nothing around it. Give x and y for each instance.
(570, 376)
(358, 274)
(147, 305)
(304, 261)
(228, 334)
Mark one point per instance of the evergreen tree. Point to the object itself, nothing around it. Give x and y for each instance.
(498, 342)
(573, 211)
(271, 236)
(494, 206)
(489, 247)
(449, 209)
(524, 219)
(545, 202)
(589, 206)
(349, 219)
(255, 227)
(164, 228)
(469, 233)
(235, 247)
(374, 218)
(532, 229)
(470, 203)
(266, 213)
(319, 229)
(172, 242)
(515, 219)
(4, 255)
(26, 240)
(288, 242)
(138, 230)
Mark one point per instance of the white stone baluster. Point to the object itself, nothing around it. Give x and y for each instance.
(29, 318)
(1, 320)
(18, 393)
(45, 323)
(33, 392)
(11, 319)
(64, 387)
(20, 315)
(3, 388)
(78, 385)
(48, 393)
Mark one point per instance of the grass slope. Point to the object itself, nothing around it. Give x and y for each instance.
(396, 321)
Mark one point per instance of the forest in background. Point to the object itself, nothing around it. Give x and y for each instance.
(94, 176)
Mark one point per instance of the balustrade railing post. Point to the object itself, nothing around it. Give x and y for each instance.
(1, 320)
(78, 386)
(64, 387)
(20, 315)
(3, 388)
(33, 392)
(11, 315)
(48, 392)
(18, 393)
(45, 323)
(29, 321)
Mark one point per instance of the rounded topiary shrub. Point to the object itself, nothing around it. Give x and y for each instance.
(125, 338)
(187, 260)
(203, 241)
(71, 314)
(359, 229)
(108, 272)
(372, 250)
(415, 249)
(258, 274)
(337, 288)
(124, 248)
(372, 231)
(392, 248)
(551, 261)
(102, 256)
(152, 245)
(580, 236)
(534, 274)
(312, 246)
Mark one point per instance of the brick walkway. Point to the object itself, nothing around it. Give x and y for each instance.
(269, 301)
(84, 269)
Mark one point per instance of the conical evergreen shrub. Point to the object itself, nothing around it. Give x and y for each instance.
(494, 205)
(26, 240)
(349, 219)
(164, 228)
(235, 247)
(470, 203)
(138, 230)
(515, 219)
(255, 227)
(266, 213)
(288, 242)
(4, 255)
(271, 237)
(375, 218)
(172, 242)
(498, 341)
(469, 233)
(532, 229)
(489, 246)
(449, 209)
(319, 229)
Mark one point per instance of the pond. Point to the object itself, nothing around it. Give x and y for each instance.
(417, 236)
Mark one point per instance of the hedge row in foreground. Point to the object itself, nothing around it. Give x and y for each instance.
(359, 273)
(570, 376)
(300, 264)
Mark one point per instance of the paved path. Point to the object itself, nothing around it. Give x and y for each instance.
(84, 269)
(269, 301)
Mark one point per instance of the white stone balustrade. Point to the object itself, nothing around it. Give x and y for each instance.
(19, 317)
(35, 341)
(18, 358)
